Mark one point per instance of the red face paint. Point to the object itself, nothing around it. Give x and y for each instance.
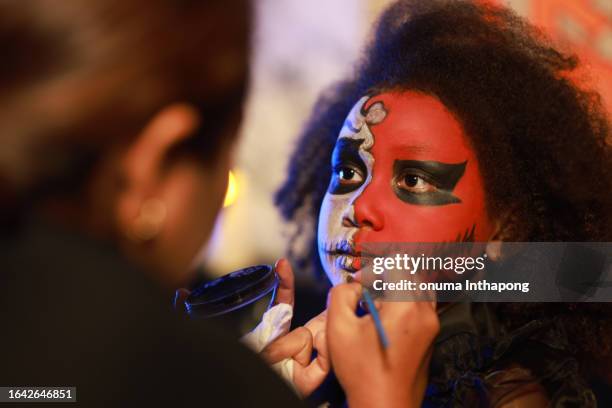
(426, 184)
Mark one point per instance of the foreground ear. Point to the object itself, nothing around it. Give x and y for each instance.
(143, 161)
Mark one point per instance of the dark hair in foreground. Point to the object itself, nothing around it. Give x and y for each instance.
(541, 140)
(79, 78)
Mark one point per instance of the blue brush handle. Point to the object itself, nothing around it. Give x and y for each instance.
(377, 323)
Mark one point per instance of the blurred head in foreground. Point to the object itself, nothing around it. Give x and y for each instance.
(117, 119)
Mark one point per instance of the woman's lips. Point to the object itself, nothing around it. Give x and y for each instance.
(344, 255)
(349, 263)
(346, 258)
(343, 246)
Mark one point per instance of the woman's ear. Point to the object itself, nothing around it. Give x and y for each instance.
(142, 166)
(493, 248)
(502, 233)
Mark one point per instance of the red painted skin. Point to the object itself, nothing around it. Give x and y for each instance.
(419, 127)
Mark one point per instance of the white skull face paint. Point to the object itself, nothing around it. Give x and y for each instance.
(352, 165)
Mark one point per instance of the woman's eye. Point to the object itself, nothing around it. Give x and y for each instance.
(414, 183)
(348, 175)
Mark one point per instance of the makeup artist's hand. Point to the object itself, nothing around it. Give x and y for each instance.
(298, 344)
(395, 376)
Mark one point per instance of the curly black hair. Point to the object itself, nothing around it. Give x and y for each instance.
(540, 136)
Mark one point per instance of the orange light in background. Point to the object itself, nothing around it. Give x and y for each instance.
(232, 190)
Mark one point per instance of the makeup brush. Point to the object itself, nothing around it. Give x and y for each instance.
(366, 298)
(365, 295)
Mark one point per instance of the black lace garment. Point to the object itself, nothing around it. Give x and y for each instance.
(476, 363)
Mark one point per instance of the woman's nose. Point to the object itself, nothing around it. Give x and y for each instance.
(367, 211)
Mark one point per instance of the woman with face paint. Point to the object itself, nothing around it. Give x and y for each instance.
(464, 124)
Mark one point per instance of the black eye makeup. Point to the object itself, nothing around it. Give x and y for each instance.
(348, 169)
(426, 182)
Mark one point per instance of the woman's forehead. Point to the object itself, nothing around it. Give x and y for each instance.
(414, 125)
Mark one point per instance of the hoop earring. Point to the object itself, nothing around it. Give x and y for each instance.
(149, 222)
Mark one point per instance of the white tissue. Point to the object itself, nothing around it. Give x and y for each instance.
(274, 323)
